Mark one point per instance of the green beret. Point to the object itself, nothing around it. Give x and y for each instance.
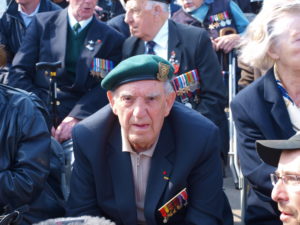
(139, 67)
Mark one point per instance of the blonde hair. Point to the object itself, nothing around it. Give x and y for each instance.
(264, 31)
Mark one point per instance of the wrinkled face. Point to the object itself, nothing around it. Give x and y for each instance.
(82, 9)
(286, 195)
(141, 107)
(190, 5)
(140, 19)
(286, 48)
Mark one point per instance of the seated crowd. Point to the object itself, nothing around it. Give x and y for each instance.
(136, 92)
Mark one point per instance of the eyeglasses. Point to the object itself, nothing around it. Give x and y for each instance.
(286, 179)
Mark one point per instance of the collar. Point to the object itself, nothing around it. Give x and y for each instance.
(127, 148)
(29, 15)
(201, 12)
(73, 21)
(161, 38)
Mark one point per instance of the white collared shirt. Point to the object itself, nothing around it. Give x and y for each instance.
(140, 169)
(73, 21)
(28, 18)
(161, 40)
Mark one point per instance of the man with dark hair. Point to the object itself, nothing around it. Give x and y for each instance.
(285, 155)
(138, 161)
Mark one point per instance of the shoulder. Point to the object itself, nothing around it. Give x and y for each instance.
(99, 122)
(186, 120)
(102, 27)
(186, 28)
(253, 91)
(194, 135)
(49, 6)
(47, 15)
(19, 100)
(188, 33)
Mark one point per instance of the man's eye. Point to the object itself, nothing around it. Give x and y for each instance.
(151, 99)
(292, 179)
(127, 98)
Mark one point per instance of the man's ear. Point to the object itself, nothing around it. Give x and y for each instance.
(157, 10)
(170, 99)
(111, 100)
(272, 52)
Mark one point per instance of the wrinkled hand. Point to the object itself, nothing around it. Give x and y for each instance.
(226, 42)
(63, 131)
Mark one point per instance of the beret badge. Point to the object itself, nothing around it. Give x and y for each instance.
(163, 71)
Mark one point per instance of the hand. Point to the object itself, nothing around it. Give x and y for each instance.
(64, 130)
(97, 10)
(214, 44)
(227, 42)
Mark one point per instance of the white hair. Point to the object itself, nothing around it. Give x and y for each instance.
(150, 4)
(264, 31)
(168, 87)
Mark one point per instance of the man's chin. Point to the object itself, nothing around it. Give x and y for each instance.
(140, 145)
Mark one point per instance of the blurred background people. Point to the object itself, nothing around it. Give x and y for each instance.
(87, 48)
(216, 16)
(16, 19)
(269, 107)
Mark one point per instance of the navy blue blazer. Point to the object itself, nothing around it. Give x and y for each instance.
(259, 112)
(46, 40)
(102, 180)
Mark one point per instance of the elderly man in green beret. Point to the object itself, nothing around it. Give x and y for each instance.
(137, 160)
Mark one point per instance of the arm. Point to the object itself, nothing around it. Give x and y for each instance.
(212, 88)
(23, 72)
(206, 198)
(26, 141)
(230, 41)
(82, 200)
(257, 172)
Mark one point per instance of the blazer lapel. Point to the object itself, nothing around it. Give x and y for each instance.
(58, 41)
(138, 47)
(121, 170)
(91, 46)
(174, 50)
(278, 107)
(160, 172)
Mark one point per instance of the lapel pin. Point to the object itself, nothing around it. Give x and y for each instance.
(174, 62)
(166, 177)
(90, 45)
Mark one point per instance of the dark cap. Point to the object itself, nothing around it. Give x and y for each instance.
(136, 68)
(270, 150)
(163, 1)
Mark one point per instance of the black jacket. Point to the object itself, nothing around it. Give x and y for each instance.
(26, 158)
(12, 27)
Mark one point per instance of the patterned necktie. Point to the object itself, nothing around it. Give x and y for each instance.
(76, 28)
(150, 46)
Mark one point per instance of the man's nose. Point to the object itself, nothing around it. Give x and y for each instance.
(140, 109)
(279, 192)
